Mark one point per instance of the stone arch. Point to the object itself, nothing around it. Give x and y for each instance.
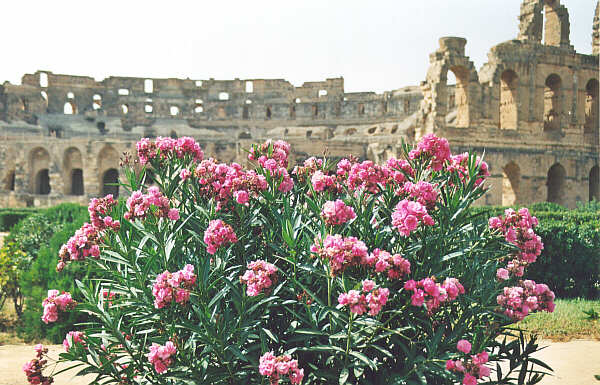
(511, 179)
(592, 123)
(108, 159)
(8, 183)
(552, 103)
(509, 85)
(39, 172)
(73, 172)
(556, 184)
(594, 183)
(70, 108)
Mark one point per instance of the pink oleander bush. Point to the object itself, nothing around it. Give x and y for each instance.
(325, 272)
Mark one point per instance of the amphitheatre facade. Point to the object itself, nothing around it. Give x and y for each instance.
(533, 109)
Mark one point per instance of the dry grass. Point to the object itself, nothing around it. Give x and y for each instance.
(568, 322)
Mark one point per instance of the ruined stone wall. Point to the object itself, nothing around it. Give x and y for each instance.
(532, 109)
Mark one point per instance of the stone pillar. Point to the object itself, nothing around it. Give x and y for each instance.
(531, 21)
(557, 28)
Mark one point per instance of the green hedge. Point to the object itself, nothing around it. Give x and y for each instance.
(570, 261)
(10, 217)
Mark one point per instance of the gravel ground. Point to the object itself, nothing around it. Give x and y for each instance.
(574, 363)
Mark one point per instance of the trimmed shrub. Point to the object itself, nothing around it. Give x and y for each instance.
(10, 217)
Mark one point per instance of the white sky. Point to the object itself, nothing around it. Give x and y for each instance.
(375, 45)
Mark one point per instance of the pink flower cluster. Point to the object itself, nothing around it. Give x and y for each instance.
(337, 212)
(73, 338)
(422, 192)
(274, 367)
(169, 286)
(365, 176)
(162, 356)
(139, 205)
(459, 164)
(340, 252)
(371, 297)
(321, 182)
(395, 266)
(408, 215)
(529, 297)
(218, 234)
(223, 182)
(168, 147)
(398, 169)
(86, 240)
(84, 243)
(260, 275)
(99, 209)
(517, 228)
(430, 147)
(432, 294)
(56, 303)
(273, 157)
(472, 367)
(33, 369)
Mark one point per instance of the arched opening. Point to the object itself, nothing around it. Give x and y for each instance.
(148, 86)
(76, 181)
(96, 102)
(461, 96)
(173, 134)
(361, 109)
(124, 109)
(108, 159)
(39, 174)
(73, 181)
(9, 181)
(591, 107)
(110, 182)
(511, 177)
(509, 82)
(45, 98)
(245, 113)
(595, 183)
(556, 184)
(42, 182)
(552, 103)
(174, 110)
(70, 108)
(43, 79)
(315, 111)
(292, 112)
(268, 112)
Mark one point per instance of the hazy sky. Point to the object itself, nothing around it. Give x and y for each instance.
(375, 45)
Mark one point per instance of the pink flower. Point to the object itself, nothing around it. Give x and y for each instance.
(502, 274)
(408, 214)
(184, 174)
(260, 275)
(55, 303)
(173, 214)
(218, 234)
(469, 380)
(341, 252)
(169, 286)
(161, 356)
(337, 213)
(372, 298)
(432, 294)
(241, 197)
(271, 366)
(464, 346)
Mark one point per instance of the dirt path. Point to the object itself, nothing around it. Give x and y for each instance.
(574, 363)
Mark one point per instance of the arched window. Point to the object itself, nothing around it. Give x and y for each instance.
(124, 109)
(591, 107)
(292, 112)
(73, 172)
(556, 184)
(9, 181)
(76, 181)
(39, 174)
(511, 176)
(148, 86)
(509, 82)
(43, 80)
(174, 110)
(245, 113)
(552, 103)
(268, 112)
(110, 182)
(595, 183)
(97, 102)
(315, 110)
(70, 108)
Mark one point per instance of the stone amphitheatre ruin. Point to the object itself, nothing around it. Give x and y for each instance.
(533, 109)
